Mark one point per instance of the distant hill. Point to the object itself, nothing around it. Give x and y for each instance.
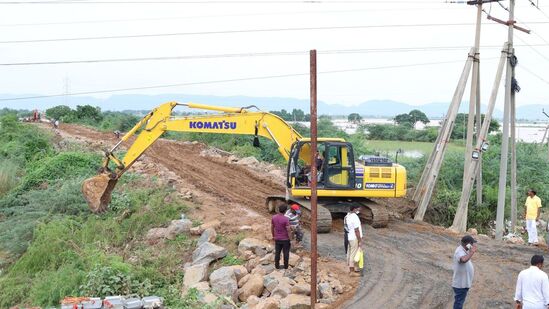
(372, 108)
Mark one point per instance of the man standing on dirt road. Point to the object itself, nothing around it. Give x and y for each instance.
(532, 290)
(280, 229)
(463, 270)
(532, 208)
(354, 226)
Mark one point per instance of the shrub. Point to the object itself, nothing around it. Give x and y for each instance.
(8, 176)
(59, 168)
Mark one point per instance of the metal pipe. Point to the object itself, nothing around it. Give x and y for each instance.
(314, 253)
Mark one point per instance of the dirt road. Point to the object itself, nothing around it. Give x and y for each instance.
(408, 265)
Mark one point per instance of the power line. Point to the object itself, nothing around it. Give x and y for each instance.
(221, 2)
(257, 54)
(533, 74)
(234, 32)
(233, 80)
(219, 15)
(534, 49)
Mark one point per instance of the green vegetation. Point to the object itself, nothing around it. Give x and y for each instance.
(425, 148)
(399, 133)
(51, 246)
(92, 116)
(410, 119)
(404, 130)
(295, 115)
(354, 118)
(460, 127)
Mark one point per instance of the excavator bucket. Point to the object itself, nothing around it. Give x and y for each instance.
(97, 191)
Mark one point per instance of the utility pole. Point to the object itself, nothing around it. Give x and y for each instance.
(479, 126)
(513, 161)
(506, 115)
(431, 171)
(460, 219)
(474, 104)
(424, 190)
(314, 253)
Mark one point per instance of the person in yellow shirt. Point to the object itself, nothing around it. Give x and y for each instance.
(532, 209)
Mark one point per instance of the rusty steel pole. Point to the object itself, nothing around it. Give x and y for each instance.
(314, 253)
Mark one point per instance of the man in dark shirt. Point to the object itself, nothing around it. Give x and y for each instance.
(280, 229)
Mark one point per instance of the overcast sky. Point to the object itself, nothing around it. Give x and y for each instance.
(410, 84)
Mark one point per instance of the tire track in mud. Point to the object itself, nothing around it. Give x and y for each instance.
(229, 183)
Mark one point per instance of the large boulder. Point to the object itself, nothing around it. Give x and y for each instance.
(223, 282)
(243, 281)
(302, 289)
(251, 264)
(208, 252)
(178, 227)
(325, 291)
(207, 298)
(337, 286)
(264, 269)
(194, 274)
(157, 234)
(299, 301)
(239, 271)
(257, 246)
(294, 259)
(268, 303)
(249, 161)
(253, 286)
(214, 224)
(203, 286)
(270, 282)
(282, 290)
(208, 235)
(252, 301)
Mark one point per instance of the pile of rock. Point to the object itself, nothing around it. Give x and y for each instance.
(175, 228)
(513, 239)
(257, 284)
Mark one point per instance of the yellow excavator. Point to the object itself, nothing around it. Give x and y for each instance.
(342, 178)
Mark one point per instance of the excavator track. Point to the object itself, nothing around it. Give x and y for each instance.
(324, 217)
(371, 212)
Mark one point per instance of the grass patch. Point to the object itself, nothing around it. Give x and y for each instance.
(230, 260)
(423, 147)
(100, 255)
(8, 176)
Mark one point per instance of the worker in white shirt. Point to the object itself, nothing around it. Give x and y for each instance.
(354, 226)
(532, 290)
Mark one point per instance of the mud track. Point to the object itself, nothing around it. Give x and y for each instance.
(408, 265)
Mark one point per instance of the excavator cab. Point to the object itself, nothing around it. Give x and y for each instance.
(334, 162)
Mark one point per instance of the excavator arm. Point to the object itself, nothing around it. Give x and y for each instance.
(97, 190)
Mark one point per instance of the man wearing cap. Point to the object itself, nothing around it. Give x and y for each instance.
(293, 214)
(463, 270)
(532, 208)
(354, 226)
(532, 291)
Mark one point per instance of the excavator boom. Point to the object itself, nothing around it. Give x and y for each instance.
(98, 189)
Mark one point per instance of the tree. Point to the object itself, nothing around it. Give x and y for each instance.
(297, 115)
(282, 114)
(410, 119)
(403, 120)
(88, 113)
(59, 112)
(418, 115)
(460, 128)
(354, 118)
